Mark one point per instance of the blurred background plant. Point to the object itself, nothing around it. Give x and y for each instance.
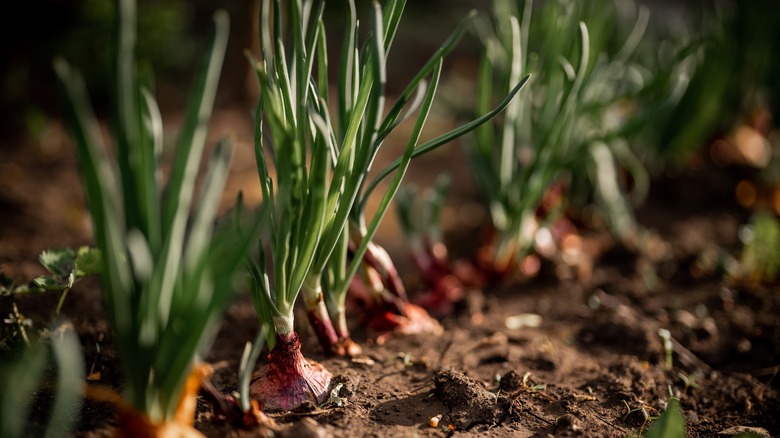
(566, 145)
(738, 73)
(759, 262)
(650, 98)
(728, 115)
(49, 371)
(419, 214)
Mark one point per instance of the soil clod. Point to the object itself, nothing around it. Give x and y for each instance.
(567, 425)
(469, 402)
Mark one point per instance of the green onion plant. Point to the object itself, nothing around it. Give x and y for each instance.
(313, 170)
(388, 302)
(168, 275)
(589, 94)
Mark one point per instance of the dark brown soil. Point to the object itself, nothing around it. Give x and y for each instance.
(594, 367)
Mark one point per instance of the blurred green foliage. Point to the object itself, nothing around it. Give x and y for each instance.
(739, 67)
(760, 259)
(165, 31)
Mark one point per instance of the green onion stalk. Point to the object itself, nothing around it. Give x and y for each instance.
(321, 164)
(297, 200)
(517, 161)
(590, 93)
(630, 89)
(168, 274)
(388, 307)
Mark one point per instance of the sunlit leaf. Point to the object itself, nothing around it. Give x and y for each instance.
(88, 262)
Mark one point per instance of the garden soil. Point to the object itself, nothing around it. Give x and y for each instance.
(591, 363)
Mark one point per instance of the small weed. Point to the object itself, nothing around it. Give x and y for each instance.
(760, 259)
(643, 409)
(666, 336)
(334, 398)
(407, 358)
(65, 266)
(16, 325)
(688, 381)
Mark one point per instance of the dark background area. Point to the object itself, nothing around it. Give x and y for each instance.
(171, 34)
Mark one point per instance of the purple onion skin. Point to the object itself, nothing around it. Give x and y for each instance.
(289, 380)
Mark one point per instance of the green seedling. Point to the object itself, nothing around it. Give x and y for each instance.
(666, 337)
(688, 382)
(66, 266)
(406, 358)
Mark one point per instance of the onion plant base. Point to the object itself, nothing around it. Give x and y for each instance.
(289, 380)
(386, 314)
(349, 348)
(411, 320)
(442, 297)
(252, 419)
(132, 423)
(227, 409)
(445, 289)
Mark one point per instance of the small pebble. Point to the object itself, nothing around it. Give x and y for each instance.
(306, 428)
(686, 319)
(523, 320)
(567, 423)
(708, 325)
(738, 430)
